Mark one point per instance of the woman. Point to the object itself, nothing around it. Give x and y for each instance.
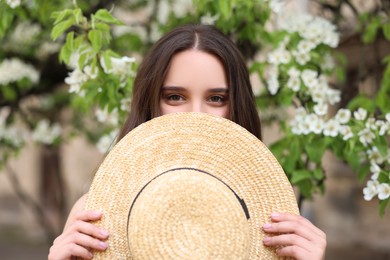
(194, 68)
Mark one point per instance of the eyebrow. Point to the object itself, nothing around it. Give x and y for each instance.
(177, 88)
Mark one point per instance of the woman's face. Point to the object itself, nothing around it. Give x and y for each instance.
(196, 82)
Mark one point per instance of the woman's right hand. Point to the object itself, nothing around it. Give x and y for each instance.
(79, 237)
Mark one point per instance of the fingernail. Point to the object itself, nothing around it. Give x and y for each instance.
(102, 245)
(90, 255)
(103, 233)
(96, 213)
(266, 240)
(275, 215)
(267, 226)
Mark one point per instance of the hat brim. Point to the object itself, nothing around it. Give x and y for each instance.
(197, 141)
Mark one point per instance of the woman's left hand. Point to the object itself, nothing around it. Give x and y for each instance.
(295, 236)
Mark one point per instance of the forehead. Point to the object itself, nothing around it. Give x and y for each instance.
(197, 67)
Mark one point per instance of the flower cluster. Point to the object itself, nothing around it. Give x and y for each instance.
(106, 142)
(13, 70)
(307, 44)
(23, 35)
(306, 34)
(13, 3)
(10, 135)
(46, 133)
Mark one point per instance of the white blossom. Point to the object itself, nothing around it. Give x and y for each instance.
(384, 127)
(294, 83)
(75, 80)
(45, 133)
(366, 136)
(388, 117)
(125, 104)
(23, 35)
(375, 156)
(343, 115)
(273, 86)
(103, 116)
(48, 48)
(316, 123)
(371, 190)
(328, 62)
(371, 124)
(12, 70)
(276, 5)
(272, 81)
(13, 3)
(106, 142)
(334, 96)
(305, 46)
(360, 114)
(315, 29)
(301, 58)
(279, 56)
(346, 132)
(309, 77)
(293, 72)
(375, 170)
(321, 109)
(119, 66)
(331, 128)
(208, 19)
(90, 72)
(318, 95)
(383, 191)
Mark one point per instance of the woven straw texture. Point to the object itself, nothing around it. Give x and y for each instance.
(178, 176)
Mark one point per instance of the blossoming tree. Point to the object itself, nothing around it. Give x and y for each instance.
(57, 55)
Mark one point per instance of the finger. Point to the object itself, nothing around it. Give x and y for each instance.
(88, 215)
(75, 250)
(87, 229)
(287, 240)
(279, 217)
(293, 251)
(290, 227)
(86, 241)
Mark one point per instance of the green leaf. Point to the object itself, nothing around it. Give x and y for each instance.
(9, 93)
(370, 33)
(65, 54)
(61, 15)
(306, 188)
(315, 149)
(363, 102)
(381, 143)
(363, 170)
(318, 173)
(102, 26)
(225, 8)
(386, 30)
(6, 19)
(105, 16)
(95, 37)
(300, 175)
(382, 206)
(61, 27)
(70, 41)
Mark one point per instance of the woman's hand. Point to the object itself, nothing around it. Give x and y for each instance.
(79, 237)
(295, 236)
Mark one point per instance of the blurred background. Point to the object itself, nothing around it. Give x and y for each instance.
(66, 72)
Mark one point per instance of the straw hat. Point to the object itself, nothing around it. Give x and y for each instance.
(189, 186)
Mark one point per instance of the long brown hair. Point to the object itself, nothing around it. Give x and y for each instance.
(154, 68)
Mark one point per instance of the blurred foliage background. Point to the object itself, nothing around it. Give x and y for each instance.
(67, 68)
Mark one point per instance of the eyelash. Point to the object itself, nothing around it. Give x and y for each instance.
(177, 99)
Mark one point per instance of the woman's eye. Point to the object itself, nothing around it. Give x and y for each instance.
(217, 99)
(174, 98)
